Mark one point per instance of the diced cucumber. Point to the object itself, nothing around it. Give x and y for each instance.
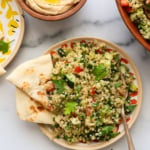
(61, 52)
(123, 69)
(133, 87)
(108, 56)
(70, 80)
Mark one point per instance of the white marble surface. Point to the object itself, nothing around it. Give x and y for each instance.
(99, 18)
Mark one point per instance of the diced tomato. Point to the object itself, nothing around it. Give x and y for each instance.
(124, 60)
(94, 100)
(93, 91)
(83, 41)
(78, 69)
(98, 51)
(52, 53)
(66, 62)
(132, 74)
(133, 94)
(124, 3)
(74, 114)
(128, 119)
(72, 44)
(51, 87)
(89, 111)
(64, 46)
(129, 9)
(133, 101)
(108, 49)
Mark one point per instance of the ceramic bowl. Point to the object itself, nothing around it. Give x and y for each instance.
(67, 14)
(133, 29)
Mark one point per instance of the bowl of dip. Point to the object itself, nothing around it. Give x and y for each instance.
(51, 10)
(136, 16)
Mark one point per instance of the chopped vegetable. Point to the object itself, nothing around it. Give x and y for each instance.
(78, 69)
(61, 52)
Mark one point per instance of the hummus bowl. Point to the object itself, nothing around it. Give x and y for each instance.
(51, 12)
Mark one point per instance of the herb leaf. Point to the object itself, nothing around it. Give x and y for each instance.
(100, 71)
(59, 85)
(69, 107)
(129, 109)
(4, 46)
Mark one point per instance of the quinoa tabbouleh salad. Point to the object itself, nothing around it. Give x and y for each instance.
(86, 92)
(139, 11)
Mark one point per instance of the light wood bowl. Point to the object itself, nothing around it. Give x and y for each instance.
(133, 29)
(94, 146)
(67, 14)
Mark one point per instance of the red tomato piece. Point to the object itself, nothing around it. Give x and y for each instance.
(94, 100)
(132, 74)
(89, 111)
(52, 53)
(128, 119)
(72, 44)
(124, 60)
(83, 41)
(64, 46)
(93, 91)
(98, 51)
(51, 87)
(129, 9)
(78, 69)
(124, 3)
(133, 101)
(133, 94)
(66, 62)
(108, 49)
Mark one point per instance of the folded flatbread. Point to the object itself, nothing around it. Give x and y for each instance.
(31, 76)
(30, 110)
(2, 71)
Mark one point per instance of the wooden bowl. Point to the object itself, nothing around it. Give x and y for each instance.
(131, 26)
(67, 14)
(97, 145)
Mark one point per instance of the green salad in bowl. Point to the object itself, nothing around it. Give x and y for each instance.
(86, 91)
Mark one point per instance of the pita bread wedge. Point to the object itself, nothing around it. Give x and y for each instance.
(31, 76)
(30, 110)
(2, 71)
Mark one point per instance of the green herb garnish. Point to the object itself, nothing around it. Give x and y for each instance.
(59, 85)
(69, 107)
(4, 46)
(100, 71)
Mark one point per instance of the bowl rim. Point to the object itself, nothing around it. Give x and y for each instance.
(20, 39)
(133, 29)
(67, 14)
(62, 143)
